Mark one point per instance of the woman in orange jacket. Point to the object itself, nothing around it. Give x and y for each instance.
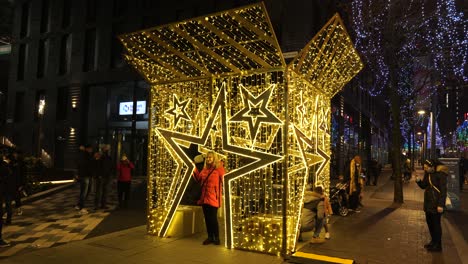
(211, 180)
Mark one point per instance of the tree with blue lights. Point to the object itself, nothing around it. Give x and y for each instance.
(396, 38)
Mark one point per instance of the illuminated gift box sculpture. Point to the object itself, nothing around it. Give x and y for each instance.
(220, 83)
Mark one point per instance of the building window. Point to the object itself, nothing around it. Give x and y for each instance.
(90, 50)
(21, 61)
(117, 60)
(25, 9)
(65, 49)
(66, 13)
(42, 58)
(120, 7)
(19, 107)
(45, 16)
(62, 103)
(91, 11)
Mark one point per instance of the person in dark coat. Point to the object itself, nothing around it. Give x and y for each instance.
(85, 162)
(15, 183)
(19, 171)
(106, 168)
(5, 173)
(434, 184)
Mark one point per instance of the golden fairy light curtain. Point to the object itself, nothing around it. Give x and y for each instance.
(220, 83)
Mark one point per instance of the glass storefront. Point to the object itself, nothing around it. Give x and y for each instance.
(112, 120)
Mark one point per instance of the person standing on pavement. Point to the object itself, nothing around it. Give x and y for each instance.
(5, 173)
(353, 177)
(124, 171)
(211, 180)
(15, 184)
(97, 178)
(434, 184)
(102, 186)
(85, 162)
(19, 170)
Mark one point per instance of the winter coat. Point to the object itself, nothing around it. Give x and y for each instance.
(19, 170)
(107, 165)
(85, 164)
(212, 181)
(353, 176)
(124, 170)
(5, 175)
(98, 170)
(313, 200)
(435, 193)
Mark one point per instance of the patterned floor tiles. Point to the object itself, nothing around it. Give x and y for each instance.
(53, 221)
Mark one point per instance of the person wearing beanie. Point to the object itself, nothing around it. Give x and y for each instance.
(434, 184)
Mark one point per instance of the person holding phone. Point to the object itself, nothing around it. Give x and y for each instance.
(124, 171)
(434, 184)
(211, 180)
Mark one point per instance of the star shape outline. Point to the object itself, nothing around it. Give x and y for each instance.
(178, 110)
(309, 160)
(265, 116)
(261, 159)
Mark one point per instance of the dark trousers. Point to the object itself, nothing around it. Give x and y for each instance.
(101, 184)
(353, 200)
(8, 200)
(435, 228)
(376, 177)
(123, 191)
(85, 187)
(211, 221)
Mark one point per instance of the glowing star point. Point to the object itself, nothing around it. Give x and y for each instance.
(179, 110)
(255, 111)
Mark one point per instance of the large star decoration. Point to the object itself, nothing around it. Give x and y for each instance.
(175, 141)
(255, 110)
(178, 110)
(309, 158)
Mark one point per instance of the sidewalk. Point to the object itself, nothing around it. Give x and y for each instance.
(135, 246)
(387, 233)
(381, 233)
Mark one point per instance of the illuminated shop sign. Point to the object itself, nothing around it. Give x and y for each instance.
(126, 108)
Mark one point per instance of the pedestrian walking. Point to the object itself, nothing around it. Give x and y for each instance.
(434, 184)
(211, 180)
(124, 171)
(85, 164)
(407, 170)
(5, 173)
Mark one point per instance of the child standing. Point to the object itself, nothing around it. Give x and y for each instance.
(124, 171)
(328, 212)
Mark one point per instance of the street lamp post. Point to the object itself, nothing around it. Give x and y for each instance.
(433, 136)
(432, 152)
(423, 147)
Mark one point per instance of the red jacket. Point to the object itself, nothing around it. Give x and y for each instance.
(124, 171)
(212, 187)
